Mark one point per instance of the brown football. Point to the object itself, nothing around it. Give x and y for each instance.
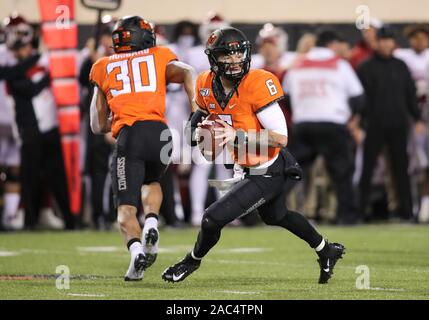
(208, 145)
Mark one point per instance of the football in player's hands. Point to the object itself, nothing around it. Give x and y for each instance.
(207, 143)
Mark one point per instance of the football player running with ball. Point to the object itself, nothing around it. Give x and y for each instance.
(247, 102)
(129, 101)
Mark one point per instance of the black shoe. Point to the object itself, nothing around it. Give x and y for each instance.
(151, 239)
(139, 267)
(181, 270)
(328, 260)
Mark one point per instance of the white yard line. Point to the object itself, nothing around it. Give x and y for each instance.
(8, 253)
(236, 292)
(86, 295)
(244, 250)
(386, 289)
(104, 249)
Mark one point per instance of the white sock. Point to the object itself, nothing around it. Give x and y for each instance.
(320, 246)
(150, 223)
(425, 200)
(135, 249)
(194, 257)
(11, 204)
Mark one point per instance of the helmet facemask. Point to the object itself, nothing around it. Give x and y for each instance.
(232, 63)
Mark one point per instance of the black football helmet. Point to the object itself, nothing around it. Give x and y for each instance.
(133, 33)
(226, 41)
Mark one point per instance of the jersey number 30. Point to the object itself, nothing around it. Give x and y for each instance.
(124, 75)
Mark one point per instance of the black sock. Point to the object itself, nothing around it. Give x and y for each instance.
(324, 251)
(207, 238)
(299, 226)
(152, 215)
(132, 241)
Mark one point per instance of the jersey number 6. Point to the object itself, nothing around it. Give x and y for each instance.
(271, 87)
(124, 75)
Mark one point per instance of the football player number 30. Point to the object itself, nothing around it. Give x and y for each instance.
(271, 87)
(124, 75)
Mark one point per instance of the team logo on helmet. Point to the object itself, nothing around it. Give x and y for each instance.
(212, 39)
(144, 24)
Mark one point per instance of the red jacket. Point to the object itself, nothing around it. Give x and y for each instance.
(360, 53)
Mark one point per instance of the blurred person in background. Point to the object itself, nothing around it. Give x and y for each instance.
(300, 199)
(184, 39)
(36, 118)
(366, 46)
(211, 22)
(12, 218)
(417, 59)
(98, 147)
(305, 43)
(391, 101)
(325, 93)
(198, 183)
(273, 56)
(343, 49)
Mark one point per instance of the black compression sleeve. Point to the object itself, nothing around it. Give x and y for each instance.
(195, 118)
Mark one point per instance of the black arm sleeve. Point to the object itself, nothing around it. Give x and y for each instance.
(28, 88)
(191, 125)
(17, 71)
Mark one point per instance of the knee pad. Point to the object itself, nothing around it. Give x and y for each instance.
(209, 224)
(269, 220)
(273, 218)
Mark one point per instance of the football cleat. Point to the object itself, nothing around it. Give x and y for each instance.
(181, 270)
(150, 246)
(14, 223)
(328, 260)
(136, 269)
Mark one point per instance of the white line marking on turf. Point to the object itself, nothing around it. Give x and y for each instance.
(85, 295)
(264, 263)
(35, 251)
(236, 292)
(244, 250)
(8, 253)
(386, 289)
(99, 249)
(174, 249)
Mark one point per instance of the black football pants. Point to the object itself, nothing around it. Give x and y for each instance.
(42, 162)
(266, 193)
(396, 140)
(333, 142)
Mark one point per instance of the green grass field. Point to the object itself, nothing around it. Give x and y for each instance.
(258, 263)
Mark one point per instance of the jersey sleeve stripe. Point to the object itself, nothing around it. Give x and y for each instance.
(269, 104)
